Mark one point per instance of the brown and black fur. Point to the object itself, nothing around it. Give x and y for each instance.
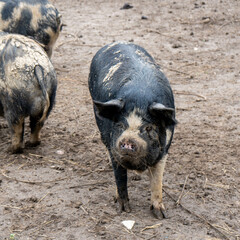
(27, 87)
(37, 19)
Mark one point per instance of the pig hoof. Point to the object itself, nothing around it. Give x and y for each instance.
(126, 207)
(123, 205)
(29, 144)
(159, 213)
(15, 150)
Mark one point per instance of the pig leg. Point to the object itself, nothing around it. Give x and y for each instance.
(35, 126)
(156, 176)
(17, 136)
(122, 192)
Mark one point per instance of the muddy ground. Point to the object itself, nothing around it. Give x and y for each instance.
(64, 188)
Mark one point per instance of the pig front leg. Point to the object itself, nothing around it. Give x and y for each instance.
(156, 176)
(122, 192)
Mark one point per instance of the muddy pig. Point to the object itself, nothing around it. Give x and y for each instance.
(27, 87)
(135, 113)
(33, 18)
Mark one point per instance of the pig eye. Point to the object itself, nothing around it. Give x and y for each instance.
(120, 125)
(149, 128)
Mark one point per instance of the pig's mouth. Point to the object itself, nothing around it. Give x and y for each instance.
(130, 166)
(130, 161)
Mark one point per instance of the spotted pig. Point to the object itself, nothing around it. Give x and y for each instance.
(27, 87)
(135, 113)
(37, 19)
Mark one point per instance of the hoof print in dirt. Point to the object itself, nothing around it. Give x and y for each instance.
(136, 122)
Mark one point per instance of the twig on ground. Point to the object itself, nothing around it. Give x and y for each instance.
(197, 216)
(65, 42)
(151, 227)
(227, 23)
(165, 35)
(53, 161)
(32, 182)
(7, 206)
(181, 194)
(90, 184)
(61, 69)
(226, 229)
(158, 32)
(205, 183)
(156, 236)
(190, 93)
(97, 170)
(74, 40)
(42, 225)
(219, 185)
(85, 211)
(182, 109)
(185, 194)
(43, 197)
(177, 71)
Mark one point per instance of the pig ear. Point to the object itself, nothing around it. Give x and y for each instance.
(108, 109)
(162, 112)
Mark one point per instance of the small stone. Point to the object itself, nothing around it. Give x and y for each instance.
(126, 6)
(60, 152)
(176, 45)
(144, 18)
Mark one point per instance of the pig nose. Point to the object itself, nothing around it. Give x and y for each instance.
(128, 146)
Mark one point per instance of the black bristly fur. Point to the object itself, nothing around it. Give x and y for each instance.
(126, 71)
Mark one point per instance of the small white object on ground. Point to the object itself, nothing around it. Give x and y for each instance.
(128, 224)
(60, 152)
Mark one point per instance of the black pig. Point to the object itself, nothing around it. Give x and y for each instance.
(32, 18)
(27, 87)
(135, 113)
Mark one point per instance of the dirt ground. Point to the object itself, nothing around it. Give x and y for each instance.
(64, 188)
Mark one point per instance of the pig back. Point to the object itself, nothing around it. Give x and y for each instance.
(19, 56)
(126, 71)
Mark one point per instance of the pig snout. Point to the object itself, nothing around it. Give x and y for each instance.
(131, 151)
(128, 147)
